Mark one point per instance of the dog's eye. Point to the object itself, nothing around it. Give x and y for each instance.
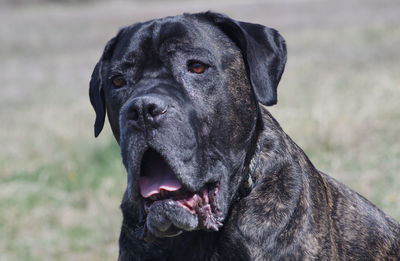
(197, 67)
(118, 81)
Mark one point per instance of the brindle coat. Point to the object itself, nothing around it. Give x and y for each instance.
(272, 203)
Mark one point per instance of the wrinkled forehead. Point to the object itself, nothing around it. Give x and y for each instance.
(167, 34)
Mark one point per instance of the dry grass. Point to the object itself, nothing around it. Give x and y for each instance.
(60, 188)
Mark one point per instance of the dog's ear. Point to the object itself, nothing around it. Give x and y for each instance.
(96, 92)
(263, 49)
(96, 95)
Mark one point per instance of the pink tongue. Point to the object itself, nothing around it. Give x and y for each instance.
(156, 179)
(153, 185)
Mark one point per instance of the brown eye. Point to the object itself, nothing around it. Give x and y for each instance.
(196, 67)
(118, 81)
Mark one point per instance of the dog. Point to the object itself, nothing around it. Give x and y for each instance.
(210, 173)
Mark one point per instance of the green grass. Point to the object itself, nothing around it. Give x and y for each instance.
(60, 188)
(60, 208)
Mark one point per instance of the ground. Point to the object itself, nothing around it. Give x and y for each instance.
(60, 188)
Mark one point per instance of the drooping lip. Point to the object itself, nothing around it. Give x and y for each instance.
(202, 203)
(157, 182)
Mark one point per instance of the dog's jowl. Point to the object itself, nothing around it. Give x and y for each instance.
(210, 173)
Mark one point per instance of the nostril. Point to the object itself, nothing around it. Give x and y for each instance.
(133, 115)
(152, 110)
(155, 110)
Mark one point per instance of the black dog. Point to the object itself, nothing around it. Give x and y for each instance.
(211, 175)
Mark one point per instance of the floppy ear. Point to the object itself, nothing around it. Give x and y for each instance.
(264, 51)
(96, 95)
(96, 92)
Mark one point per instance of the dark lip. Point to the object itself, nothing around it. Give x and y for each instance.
(202, 203)
(178, 195)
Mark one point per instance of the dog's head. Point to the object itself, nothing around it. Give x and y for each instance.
(181, 94)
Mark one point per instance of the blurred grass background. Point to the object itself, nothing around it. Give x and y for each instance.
(60, 189)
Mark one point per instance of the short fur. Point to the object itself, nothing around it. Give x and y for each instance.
(213, 128)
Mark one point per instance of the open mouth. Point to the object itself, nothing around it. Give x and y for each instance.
(157, 182)
(156, 176)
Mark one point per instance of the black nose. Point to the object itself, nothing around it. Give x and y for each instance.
(146, 111)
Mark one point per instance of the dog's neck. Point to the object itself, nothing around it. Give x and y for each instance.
(271, 147)
(252, 158)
